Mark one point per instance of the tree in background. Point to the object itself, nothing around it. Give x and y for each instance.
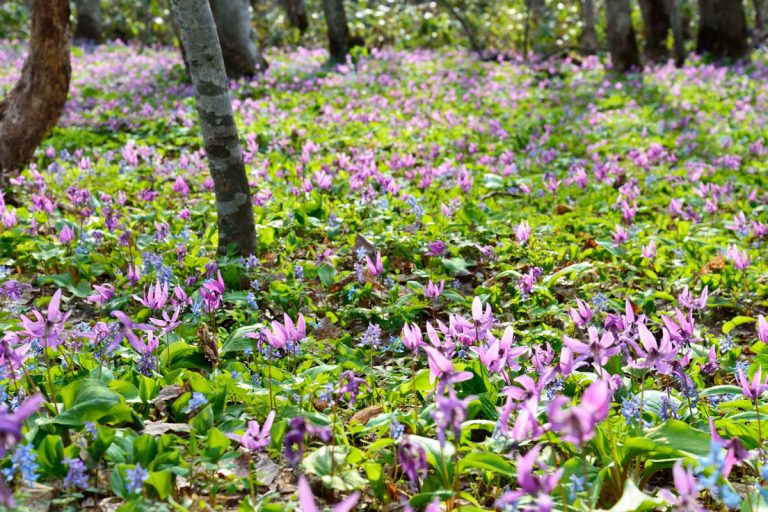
(656, 26)
(217, 123)
(35, 103)
(338, 30)
(235, 31)
(88, 24)
(588, 34)
(722, 29)
(621, 36)
(296, 11)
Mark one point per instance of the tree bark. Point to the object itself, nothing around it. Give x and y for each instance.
(338, 30)
(675, 20)
(656, 25)
(759, 18)
(35, 103)
(296, 11)
(88, 20)
(722, 29)
(589, 34)
(621, 36)
(206, 67)
(235, 33)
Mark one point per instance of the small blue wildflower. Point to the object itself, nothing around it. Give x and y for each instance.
(726, 344)
(255, 284)
(729, 497)
(76, 476)
(630, 409)
(577, 485)
(372, 336)
(135, 478)
(360, 253)
(396, 429)
(23, 462)
(299, 272)
(327, 394)
(198, 399)
(251, 299)
(256, 380)
(359, 272)
(600, 302)
(91, 428)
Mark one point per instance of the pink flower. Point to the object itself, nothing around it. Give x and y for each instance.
(256, 438)
(103, 293)
(577, 423)
(762, 329)
(155, 298)
(374, 268)
(649, 251)
(307, 501)
(739, 258)
(434, 291)
(48, 330)
(619, 236)
(523, 232)
(66, 235)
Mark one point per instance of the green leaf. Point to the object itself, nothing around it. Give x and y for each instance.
(487, 461)
(456, 265)
(634, 500)
(682, 437)
(735, 322)
(576, 268)
(216, 444)
(161, 482)
(50, 456)
(237, 341)
(86, 400)
(327, 274)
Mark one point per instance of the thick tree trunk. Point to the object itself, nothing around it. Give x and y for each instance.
(338, 30)
(676, 21)
(722, 29)
(656, 25)
(235, 32)
(296, 11)
(589, 34)
(621, 36)
(88, 20)
(35, 103)
(206, 67)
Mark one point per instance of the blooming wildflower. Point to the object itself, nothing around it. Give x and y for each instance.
(436, 248)
(76, 476)
(375, 268)
(103, 294)
(349, 383)
(307, 501)
(48, 330)
(433, 291)
(413, 459)
(577, 423)
(256, 438)
(739, 258)
(396, 429)
(23, 463)
(523, 232)
(449, 415)
(135, 478)
(372, 336)
(197, 400)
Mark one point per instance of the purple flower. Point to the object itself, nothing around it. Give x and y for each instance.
(523, 232)
(48, 330)
(687, 490)
(76, 476)
(103, 293)
(754, 388)
(440, 367)
(762, 329)
(577, 423)
(10, 424)
(134, 275)
(155, 298)
(349, 383)
(739, 258)
(293, 440)
(212, 291)
(539, 487)
(66, 235)
(412, 337)
(256, 438)
(734, 449)
(600, 349)
(135, 478)
(449, 415)
(413, 459)
(649, 251)
(126, 330)
(307, 501)
(653, 354)
(436, 248)
(581, 316)
(434, 291)
(375, 268)
(619, 236)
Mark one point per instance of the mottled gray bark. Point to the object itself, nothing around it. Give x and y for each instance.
(676, 21)
(206, 68)
(235, 32)
(338, 30)
(621, 36)
(35, 103)
(296, 11)
(589, 34)
(722, 29)
(656, 27)
(759, 18)
(88, 25)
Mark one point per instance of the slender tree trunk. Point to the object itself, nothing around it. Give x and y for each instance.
(296, 11)
(338, 30)
(589, 34)
(235, 32)
(35, 103)
(656, 25)
(88, 20)
(621, 36)
(206, 67)
(675, 20)
(722, 29)
(466, 26)
(759, 19)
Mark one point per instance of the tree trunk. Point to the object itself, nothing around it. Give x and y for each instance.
(589, 34)
(225, 157)
(235, 33)
(656, 26)
(296, 11)
(338, 30)
(35, 103)
(722, 29)
(88, 20)
(621, 36)
(759, 19)
(676, 22)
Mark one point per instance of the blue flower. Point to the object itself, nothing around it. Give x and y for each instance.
(76, 476)
(135, 478)
(23, 462)
(396, 429)
(729, 497)
(198, 399)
